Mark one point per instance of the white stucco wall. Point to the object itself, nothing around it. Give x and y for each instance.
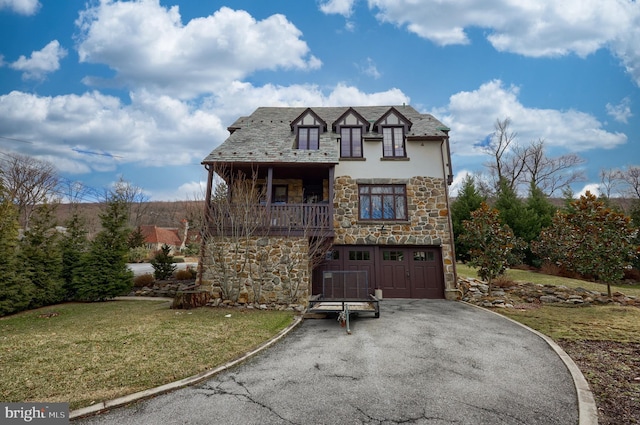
(423, 159)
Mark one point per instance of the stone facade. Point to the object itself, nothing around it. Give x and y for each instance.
(258, 270)
(428, 222)
(275, 270)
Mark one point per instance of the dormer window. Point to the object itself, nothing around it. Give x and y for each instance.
(308, 138)
(351, 142)
(393, 142)
(307, 127)
(393, 126)
(351, 126)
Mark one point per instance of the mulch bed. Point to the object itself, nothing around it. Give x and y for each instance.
(613, 372)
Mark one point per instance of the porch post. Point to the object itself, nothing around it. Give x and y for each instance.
(269, 185)
(332, 171)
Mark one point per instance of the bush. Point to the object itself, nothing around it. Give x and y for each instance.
(187, 274)
(143, 280)
(138, 254)
(632, 274)
(178, 259)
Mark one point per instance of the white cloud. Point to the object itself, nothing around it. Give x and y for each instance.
(458, 180)
(149, 47)
(190, 191)
(536, 28)
(22, 7)
(41, 62)
(594, 188)
(369, 68)
(339, 7)
(620, 112)
(96, 132)
(472, 114)
(75, 130)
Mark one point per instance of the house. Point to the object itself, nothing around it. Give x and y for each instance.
(370, 183)
(155, 237)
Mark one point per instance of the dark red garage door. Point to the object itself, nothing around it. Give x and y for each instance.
(401, 272)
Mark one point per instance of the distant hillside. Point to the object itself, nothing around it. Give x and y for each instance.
(161, 214)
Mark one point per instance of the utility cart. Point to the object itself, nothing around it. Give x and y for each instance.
(345, 293)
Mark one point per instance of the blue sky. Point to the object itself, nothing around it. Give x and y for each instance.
(144, 90)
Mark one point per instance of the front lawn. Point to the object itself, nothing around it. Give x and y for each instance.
(86, 353)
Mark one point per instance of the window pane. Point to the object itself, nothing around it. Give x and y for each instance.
(376, 206)
(398, 141)
(314, 139)
(401, 211)
(303, 141)
(365, 203)
(387, 211)
(345, 142)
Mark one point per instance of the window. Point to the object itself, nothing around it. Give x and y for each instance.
(280, 194)
(393, 255)
(308, 138)
(393, 142)
(359, 256)
(351, 142)
(423, 256)
(386, 202)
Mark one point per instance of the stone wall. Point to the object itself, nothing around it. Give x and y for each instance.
(271, 271)
(428, 222)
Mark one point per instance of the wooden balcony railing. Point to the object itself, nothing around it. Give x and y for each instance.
(280, 219)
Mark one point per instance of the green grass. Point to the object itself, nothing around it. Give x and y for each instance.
(601, 323)
(99, 351)
(528, 276)
(598, 323)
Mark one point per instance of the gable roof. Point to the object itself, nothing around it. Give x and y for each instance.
(161, 235)
(266, 135)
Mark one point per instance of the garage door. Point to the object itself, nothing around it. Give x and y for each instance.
(401, 272)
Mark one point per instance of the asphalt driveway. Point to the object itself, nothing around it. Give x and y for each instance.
(421, 362)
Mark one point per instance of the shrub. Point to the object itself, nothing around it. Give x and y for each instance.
(138, 254)
(178, 259)
(143, 280)
(632, 274)
(186, 274)
(503, 281)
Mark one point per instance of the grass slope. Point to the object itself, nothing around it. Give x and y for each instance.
(85, 353)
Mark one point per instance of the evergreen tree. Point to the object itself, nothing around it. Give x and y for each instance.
(541, 212)
(104, 271)
(15, 290)
(41, 258)
(136, 238)
(467, 201)
(74, 246)
(162, 263)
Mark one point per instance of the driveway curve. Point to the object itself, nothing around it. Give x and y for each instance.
(421, 362)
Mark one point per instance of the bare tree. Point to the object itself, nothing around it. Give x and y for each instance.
(521, 165)
(609, 181)
(551, 174)
(135, 198)
(506, 162)
(28, 182)
(630, 178)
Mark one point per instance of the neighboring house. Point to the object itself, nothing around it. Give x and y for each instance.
(155, 237)
(373, 180)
